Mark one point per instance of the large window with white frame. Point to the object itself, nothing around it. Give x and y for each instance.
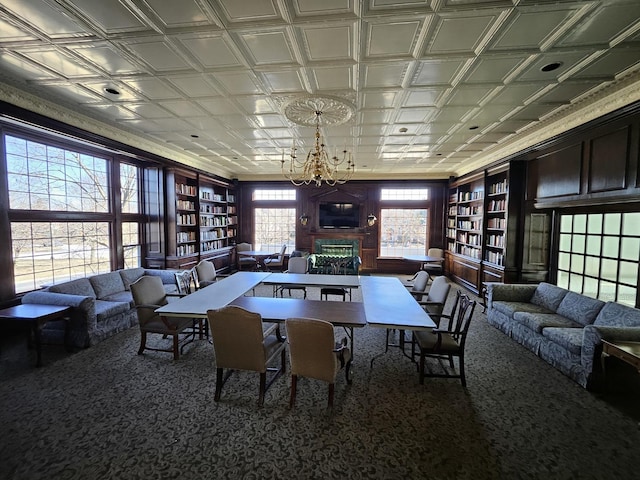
(275, 217)
(599, 254)
(404, 219)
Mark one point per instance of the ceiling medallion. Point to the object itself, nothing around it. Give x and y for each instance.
(318, 166)
(335, 110)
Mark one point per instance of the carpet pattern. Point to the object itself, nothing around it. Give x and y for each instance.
(108, 413)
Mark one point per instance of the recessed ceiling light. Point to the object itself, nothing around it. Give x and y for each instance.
(112, 91)
(475, 127)
(550, 67)
(195, 136)
(404, 130)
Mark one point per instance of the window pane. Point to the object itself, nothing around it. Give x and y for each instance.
(131, 244)
(612, 223)
(566, 224)
(631, 224)
(609, 269)
(46, 253)
(628, 273)
(607, 292)
(577, 263)
(565, 242)
(404, 194)
(403, 231)
(595, 223)
(593, 245)
(580, 224)
(575, 282)
(273, 228)
(630, 249)
(592, 266)
(590, 287)
(627, 295)
(129, 188)
(51, 178)
(280, 194)
(610, 246)
(563, 279)
(563, 261)
(578, 244)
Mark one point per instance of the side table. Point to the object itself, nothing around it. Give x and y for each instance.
(36, 316)
(628, 352)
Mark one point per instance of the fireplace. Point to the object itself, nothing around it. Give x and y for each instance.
(339, 247)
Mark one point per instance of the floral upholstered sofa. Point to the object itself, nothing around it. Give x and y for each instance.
(564, 328)
(102, 304)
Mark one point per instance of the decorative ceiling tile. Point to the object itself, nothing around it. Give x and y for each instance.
(267, 48)
(328, 43)
(49, 20)
(212, 51)
(110, 15)
(460, 34)
(397, 38)
(160, 56)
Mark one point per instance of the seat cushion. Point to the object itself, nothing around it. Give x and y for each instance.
(124, 296)
(569, 338)
(107, 284)
(548, 296)
(81, 286)
(538, 321)
(427, 341)
(509, 308)
(580, 308)
(106, 309)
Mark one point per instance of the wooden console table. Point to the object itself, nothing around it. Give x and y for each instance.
(36, 316)
(628, 352)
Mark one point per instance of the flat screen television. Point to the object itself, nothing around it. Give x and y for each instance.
(339, 215)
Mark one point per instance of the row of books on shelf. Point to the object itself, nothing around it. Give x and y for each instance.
(183, 189)
(185, 205)
(497, 205)
(184, 237)
(186, 219)
(470, 210)
(185, 250)
(495, 240)
(468, 251)
(495, 257)
(451, 232)
(468, 196)
(498, 187)
(215, 209)
(469, 238)
(212, 245)
(210, 196)
(213, 221)
(213, 234)
(500, 223)
(469, 225)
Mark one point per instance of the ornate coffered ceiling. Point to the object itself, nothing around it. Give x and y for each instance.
(227, 85)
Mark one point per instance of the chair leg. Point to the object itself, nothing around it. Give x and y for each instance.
(219, 382)
(462, 378)
(331, 390)
(143, 342)
(294, 385)
(263, 387)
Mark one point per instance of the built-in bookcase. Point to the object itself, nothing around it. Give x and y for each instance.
(201, 219)
(496, 218)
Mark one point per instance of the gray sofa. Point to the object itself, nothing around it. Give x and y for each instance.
(564, 328)
(103, 304)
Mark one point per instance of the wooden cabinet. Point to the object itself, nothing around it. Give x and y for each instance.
(201, 220)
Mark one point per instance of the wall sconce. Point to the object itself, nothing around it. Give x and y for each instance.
(304, 219)
(371, 219)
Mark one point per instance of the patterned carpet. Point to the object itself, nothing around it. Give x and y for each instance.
(107, 413)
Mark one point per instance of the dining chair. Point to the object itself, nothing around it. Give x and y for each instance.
(185, 281)
(205, 274)
(241, 343)
(246, 262)
(275, 261)
(296, 265)
(341, 266)
(445, 343)
(436, 267)
(436, 297)
(314, 353)
(419, 286)
(148, 295)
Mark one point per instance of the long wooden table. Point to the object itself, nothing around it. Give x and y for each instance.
(348, 315)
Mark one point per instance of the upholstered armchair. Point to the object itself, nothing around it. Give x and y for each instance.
(246, 262)
(314, 354)
(205, 274)
(240, 343)
(148, 295)
(436, 298)
(434, 268)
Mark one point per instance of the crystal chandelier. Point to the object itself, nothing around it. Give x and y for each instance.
(318, 166)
